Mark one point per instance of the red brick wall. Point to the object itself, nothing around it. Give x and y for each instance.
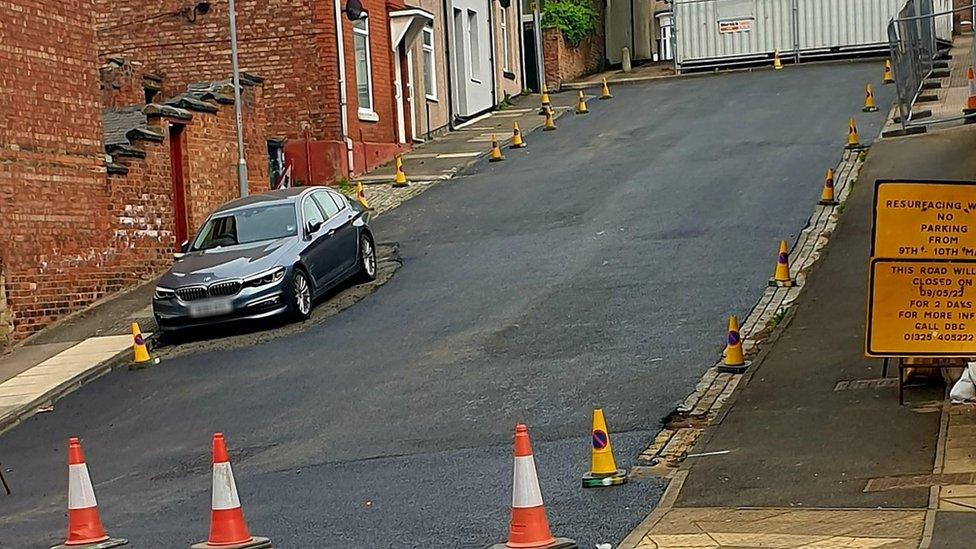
(564, 62)
(122, 84)
(52, 183)
(292, 43)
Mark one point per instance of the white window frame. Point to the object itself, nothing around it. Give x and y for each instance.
(429, 57)
(365, 113)
(506, 52)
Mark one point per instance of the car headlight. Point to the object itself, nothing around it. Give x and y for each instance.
(163, 293)
(265, 278)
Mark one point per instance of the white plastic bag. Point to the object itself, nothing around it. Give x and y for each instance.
(965, 389)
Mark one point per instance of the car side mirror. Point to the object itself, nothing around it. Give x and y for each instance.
(184, 247)
(313, 227)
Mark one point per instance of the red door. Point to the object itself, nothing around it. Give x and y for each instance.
(179, 187)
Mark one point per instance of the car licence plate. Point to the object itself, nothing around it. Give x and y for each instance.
(214, 307)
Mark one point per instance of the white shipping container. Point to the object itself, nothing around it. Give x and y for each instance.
(727, 32)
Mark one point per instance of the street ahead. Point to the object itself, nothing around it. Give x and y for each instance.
(596, 267)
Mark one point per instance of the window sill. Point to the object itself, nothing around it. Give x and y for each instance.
(367, 115)
(432, 98)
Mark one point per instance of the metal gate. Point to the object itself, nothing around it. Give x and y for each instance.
(712, 33)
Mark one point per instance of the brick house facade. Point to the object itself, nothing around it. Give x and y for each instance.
(294, 43)
(88, 207)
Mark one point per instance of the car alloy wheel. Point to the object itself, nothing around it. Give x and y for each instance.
(367, 255)
(302, 295)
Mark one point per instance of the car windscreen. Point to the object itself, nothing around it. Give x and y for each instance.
(247, 225)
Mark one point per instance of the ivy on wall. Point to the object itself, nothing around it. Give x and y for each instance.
(575, 19)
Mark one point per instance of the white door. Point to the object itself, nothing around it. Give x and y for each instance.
(410, 95)
(473, 71)
(398, 96)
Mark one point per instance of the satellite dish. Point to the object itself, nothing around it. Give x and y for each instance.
(354, 10)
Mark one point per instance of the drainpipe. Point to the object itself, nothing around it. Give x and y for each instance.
(343, 101)
(448, 28)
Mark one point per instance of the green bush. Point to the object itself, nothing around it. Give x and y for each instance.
(575, 19)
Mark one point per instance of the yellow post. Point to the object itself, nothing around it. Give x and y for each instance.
(603, 468)
(827, 197)
(781, 276)
(400, 179)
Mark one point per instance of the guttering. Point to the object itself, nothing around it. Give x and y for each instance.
(343, 100)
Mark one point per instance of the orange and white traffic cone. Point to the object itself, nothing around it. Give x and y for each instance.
(889, 77)
(781, 276)
(84, 525)
(227, 526)
(361, 195)
(529, 528)
(869, 104)
(827, 197)
(733, 362)
(971, 100)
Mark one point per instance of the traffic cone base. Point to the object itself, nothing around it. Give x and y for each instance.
(782, 283)
(107, 544)
(823, 202)
(557, 543)
(872, 108)
(617, 478)
(724, 368)
(255, 543)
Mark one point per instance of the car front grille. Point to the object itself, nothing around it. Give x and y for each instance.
(225, 288)
(191, 293)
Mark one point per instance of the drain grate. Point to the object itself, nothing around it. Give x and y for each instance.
(917, 481)
(854, 384)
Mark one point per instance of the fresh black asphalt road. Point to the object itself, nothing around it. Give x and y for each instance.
(596, 267)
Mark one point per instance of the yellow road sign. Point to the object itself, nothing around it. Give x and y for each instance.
(921, 307)
(925, 219)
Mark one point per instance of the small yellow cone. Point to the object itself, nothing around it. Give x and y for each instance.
(581, 104)
(496, 152)
(549, 126)
(853, 142)
(361, 195)
(400, 179)
(517, 142)
(544, 99)
(734, 361)
(603, 468)
(869, 104)
(140, 354)
(889, 77)
(605, 91)
(777, 64)
(827, 195)
(781, 277)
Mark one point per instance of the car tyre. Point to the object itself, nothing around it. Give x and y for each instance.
(301, 295)
(367, 258)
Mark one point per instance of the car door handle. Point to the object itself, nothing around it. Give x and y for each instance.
(330, 233)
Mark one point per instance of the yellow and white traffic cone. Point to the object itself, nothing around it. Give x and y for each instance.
(781, 276)
(777, 64)
(869, 104)
(733, 361)
(581, 104)
(827, 197)
(853, 142)
(544, 99)
(496, 152)
(603, 468)
(400, 179)
(140, 353)
(517, 141)
(889, 77)
(550, 125)
(361, 195)
(605, 91)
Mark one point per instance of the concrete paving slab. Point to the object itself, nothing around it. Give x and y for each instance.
(24, 357)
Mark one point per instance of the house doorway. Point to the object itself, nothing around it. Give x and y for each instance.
(180, 225)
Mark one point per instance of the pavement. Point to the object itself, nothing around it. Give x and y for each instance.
(597, 266)
(813, 450)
